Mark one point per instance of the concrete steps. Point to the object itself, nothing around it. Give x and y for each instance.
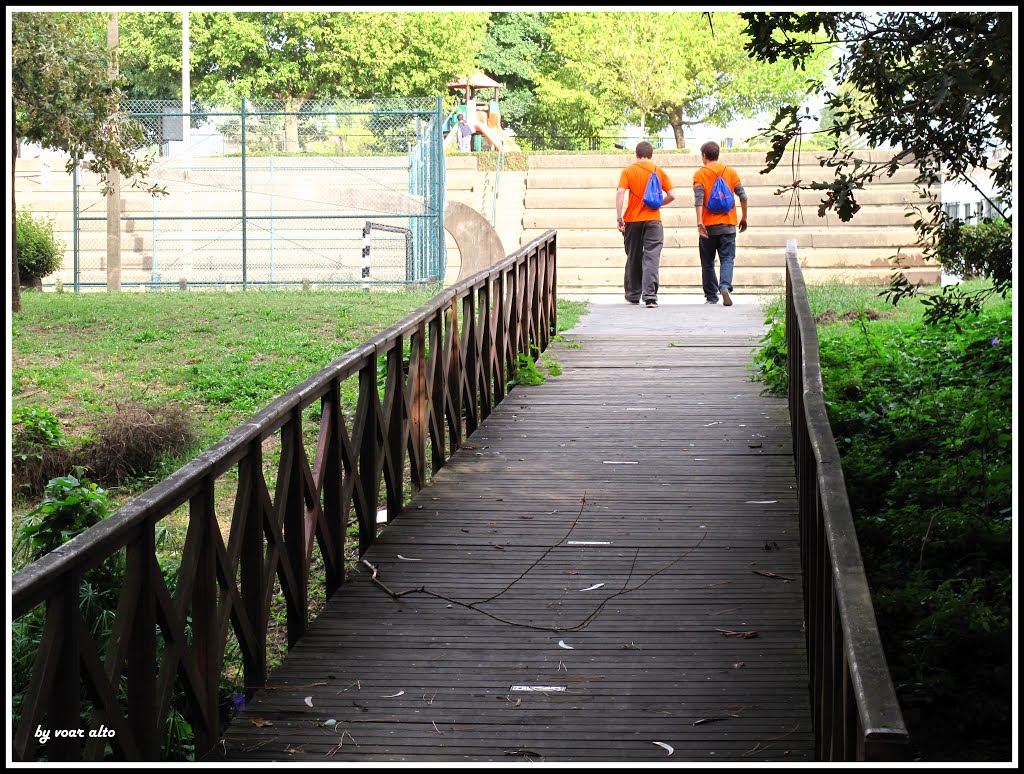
(574, 194)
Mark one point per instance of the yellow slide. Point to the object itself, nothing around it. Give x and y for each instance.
(497, 137)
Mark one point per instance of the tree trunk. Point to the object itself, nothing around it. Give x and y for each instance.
(291, 123)
(675, 119)
(15, 278)
(677, 130)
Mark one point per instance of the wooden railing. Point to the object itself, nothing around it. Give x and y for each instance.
(855, 710)
(163, 641)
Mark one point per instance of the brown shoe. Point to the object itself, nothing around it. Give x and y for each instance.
(726, 298)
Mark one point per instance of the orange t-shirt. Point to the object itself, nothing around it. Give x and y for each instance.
(634, 179)
(706, 176)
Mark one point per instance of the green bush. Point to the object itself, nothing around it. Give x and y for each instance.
(922, 417)
(981, 250)
(40, 252)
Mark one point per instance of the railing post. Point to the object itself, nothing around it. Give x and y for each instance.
(65, 706)
(294, 512)
(369, 455)
(208, 656)
(395, 437)
(334, 515)
(418, 409)
(141, 662)
(251, 564)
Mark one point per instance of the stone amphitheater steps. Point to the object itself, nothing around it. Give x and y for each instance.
(574, 194)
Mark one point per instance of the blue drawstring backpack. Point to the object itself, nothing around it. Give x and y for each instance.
(653, 195)
(720, 200)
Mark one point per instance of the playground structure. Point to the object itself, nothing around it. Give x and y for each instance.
(485, 121)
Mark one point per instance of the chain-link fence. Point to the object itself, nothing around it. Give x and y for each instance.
(322, 193)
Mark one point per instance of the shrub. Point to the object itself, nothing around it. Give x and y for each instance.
(39, 449)
(72, 505)
(134, 438)
(40, 252)
(980, 250)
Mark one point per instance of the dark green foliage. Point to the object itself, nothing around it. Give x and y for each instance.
(984, 250)
(922, 416)
(72, 505)
(35, 428)
(40, 253)
(935, 86)
(976, 251)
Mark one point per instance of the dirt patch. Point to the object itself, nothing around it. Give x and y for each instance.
(830, 316)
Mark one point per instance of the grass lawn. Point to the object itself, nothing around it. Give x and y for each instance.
(221, 355)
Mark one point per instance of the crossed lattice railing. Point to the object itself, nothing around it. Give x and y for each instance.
(445, 367)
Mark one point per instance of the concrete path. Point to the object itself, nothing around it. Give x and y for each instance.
(675, 315)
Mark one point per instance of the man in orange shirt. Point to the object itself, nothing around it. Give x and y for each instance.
(642, 232)
(717, 230)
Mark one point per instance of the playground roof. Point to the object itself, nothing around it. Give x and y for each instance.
(476, 81)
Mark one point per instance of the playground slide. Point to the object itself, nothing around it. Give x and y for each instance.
(497, 137)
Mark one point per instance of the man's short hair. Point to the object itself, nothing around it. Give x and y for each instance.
(710, 150)
(644, 150)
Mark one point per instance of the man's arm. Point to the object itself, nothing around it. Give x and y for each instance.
(698, 197)
(620, 198)
(669, 198)
(742, 194)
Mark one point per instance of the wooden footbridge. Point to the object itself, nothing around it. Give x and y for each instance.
(641, 559)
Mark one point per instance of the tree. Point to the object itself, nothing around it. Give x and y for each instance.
(936, 86)
(720, 81)
(296, 57)
(516, 48)
(64, 99)
(676, 69)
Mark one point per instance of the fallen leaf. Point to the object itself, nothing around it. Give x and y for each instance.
(290, 749)
(668, 747)
(561, 644)
(767, 574)
(330, 723)
(708, 720)
(309, 701)
(742, 635)
(261, 723)
(738, 665)
(393, 695)
(407, 559)
(760, 502)
(591, 588)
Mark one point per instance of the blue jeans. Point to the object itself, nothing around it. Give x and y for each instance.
(725, 246)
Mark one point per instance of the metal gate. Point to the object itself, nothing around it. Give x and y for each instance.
(263, 196)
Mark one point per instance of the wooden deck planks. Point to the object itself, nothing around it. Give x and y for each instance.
(652, 466)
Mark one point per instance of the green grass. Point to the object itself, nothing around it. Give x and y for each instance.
(223, 355)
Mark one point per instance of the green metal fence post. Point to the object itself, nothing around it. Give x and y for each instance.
(438, 194)
(271, 218)
(244, 245)
(156, 223)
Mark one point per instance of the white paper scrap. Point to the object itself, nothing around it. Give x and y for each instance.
(538, 688)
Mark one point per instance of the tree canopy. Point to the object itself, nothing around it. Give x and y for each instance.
(677, 69)
(935, 86)
(65, 99)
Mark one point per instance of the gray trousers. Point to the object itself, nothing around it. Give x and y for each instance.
(643, 240)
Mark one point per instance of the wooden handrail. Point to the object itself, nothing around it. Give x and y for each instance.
(463, 346)
(855, 709)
